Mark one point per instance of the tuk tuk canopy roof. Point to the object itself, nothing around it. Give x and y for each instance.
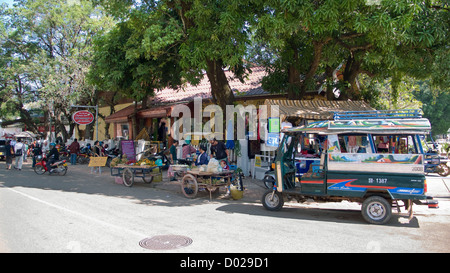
(315, 109)
(372, 126)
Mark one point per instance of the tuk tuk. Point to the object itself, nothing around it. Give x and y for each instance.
(371, 157)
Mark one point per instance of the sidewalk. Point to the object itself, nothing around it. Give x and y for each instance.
(438, 187)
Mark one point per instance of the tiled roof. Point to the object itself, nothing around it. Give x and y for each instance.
(250, 87)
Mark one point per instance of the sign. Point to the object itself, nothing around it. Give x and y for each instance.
(42, 129)
(128, 149)
(96, 161)
(258, 161)
(274, 125)
(83, 117)
(273, 140)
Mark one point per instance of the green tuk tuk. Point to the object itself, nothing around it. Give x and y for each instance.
(373, 157)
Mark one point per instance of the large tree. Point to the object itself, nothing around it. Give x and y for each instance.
(121, 63)
(211, 36)
(50, 43)
(382, 39)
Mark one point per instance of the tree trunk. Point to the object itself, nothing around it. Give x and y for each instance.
(352, 69)
(309, 77)
(294, 77)
(220, 88)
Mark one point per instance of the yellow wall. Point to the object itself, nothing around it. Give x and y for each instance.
(101, 123)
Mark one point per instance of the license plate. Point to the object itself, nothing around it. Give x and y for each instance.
(65, 164)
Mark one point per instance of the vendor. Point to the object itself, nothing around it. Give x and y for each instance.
(202, 158)
(187, 150)
(219, 150)
(173, 151)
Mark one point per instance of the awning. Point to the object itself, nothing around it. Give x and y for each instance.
(26, 134)
(121, 115)
(125, 114)
(315, 109)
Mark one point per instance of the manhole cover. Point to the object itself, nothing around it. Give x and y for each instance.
(165, 242)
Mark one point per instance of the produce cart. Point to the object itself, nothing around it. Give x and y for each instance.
(194, 180)
(129, 172)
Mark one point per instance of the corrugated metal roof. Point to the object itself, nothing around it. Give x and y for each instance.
(315, 109)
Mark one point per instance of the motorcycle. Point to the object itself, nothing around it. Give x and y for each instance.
(41, 167)
(83, 157)
(111, 154)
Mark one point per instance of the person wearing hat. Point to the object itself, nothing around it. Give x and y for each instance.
(53, 155)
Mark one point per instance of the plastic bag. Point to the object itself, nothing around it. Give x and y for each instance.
(213, 165)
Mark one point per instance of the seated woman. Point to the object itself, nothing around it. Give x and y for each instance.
(202, 159)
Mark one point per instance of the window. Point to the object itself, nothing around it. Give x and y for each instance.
(395, 144)
(349, 143)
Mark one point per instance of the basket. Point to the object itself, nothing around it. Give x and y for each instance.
(235, 193)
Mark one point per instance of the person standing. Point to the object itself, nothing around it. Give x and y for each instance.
(219, 150)
(37, 151)
(8, 154)
(18, 153)
(25, 151)
(98, 151)
(74, 150)
(173, 151)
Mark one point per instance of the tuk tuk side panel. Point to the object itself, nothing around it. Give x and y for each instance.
(358, 184)
(383, 163)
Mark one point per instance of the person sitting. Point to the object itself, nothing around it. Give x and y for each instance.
(202, 158)
(187, 150)
(53, 156)
(224, 165)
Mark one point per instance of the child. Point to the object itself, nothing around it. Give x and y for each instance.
(224, 165)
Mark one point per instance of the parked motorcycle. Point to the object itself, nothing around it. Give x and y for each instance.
(111, 154)
(435, 164)
(42, 166)
(162, 156)
(83, 157)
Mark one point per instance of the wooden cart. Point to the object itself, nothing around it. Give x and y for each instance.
(192, 181)
(128, 173)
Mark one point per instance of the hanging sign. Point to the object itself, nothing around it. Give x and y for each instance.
(83, 117)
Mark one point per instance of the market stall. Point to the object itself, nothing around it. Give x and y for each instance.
(145, 169)
(194, 180)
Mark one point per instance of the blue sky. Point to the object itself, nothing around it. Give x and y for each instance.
(10, 2)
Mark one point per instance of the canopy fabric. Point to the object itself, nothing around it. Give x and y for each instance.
(393, 126)
(315, 109)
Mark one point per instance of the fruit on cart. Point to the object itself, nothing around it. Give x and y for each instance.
(146, 162)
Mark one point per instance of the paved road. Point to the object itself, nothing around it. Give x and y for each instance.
(84, 212)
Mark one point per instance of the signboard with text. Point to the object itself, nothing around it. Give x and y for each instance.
(128, 149)
(83, 117)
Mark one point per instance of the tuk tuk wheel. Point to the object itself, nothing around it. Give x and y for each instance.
(189, 186)
(376, 210)
(128, 177)
(272, 200)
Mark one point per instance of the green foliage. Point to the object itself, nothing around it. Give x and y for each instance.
(137, 57)
(435, 107)
(47, 49)
(383, 39)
